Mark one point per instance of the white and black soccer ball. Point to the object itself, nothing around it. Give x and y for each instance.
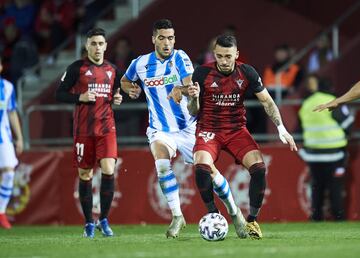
(213, 227)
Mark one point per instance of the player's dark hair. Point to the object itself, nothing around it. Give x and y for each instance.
(226, 40)
(162, 24)
(95, 32)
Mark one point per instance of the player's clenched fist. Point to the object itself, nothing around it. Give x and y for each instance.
(117, 97)
(194, 90)
(88, 96)
(134, 91)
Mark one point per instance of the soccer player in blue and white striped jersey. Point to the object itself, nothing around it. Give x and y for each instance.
(163, 74)
(8, 120)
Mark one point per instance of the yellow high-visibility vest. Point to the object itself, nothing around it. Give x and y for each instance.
(320, 129)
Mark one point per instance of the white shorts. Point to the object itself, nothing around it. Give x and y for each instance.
(183, 141)
(7, 155)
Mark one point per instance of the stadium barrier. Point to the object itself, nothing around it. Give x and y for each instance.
(45, 189)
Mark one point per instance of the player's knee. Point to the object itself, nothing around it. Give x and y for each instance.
(86, 175)
(107, 166)
(258, 170)
(162, 166)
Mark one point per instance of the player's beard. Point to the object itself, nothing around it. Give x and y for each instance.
(162, 54)
(225, 70)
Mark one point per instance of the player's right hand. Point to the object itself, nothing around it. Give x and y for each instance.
(194, 90)
(134, 91)
(88, 96)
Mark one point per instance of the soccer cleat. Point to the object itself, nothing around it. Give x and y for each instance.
(4, 223)
(177, 224)
(89, 230)
(103, 226)
(240, 224)
(253, 229)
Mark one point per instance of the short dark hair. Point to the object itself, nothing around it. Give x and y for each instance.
(96, 32)
(226, 40)
(162, 24)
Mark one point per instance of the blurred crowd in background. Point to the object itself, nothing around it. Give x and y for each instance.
(30, 29)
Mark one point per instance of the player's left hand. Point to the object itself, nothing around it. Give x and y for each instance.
(19, 146)
(194, 90)
(117, 97)
(286, 138)
(175, 94)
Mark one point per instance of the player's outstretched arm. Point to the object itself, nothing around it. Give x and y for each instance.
(273, 112)
(352, 94)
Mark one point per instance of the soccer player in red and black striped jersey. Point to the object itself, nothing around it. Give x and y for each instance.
(217, 98)
(93, 85)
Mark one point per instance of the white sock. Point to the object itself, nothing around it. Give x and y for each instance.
(222, 189)
(169, 185)
(6, 187)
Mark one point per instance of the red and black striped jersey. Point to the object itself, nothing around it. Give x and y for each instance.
(222, 96)
(96, 118)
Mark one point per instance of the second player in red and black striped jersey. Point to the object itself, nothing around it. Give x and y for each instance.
(91, 118)
(222, 96)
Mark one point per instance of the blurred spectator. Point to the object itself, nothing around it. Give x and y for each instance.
(207, 56)
(24, 13)
(321, 55)
(88, 11)
(24, 56)
(324, 151)
(54, 23)
(9, 36)
(287, 79)
(123, 54)
(18, 51)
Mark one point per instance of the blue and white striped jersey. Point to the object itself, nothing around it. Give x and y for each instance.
(7, 103)
(157, 80)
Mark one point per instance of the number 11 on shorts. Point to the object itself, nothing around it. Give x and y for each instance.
(80, 149)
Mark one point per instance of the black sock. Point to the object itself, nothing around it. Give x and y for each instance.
(256, 188)
(86, 199)
(106, 194)
(251, 218)
(205, 186)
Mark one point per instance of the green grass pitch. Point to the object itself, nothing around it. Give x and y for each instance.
(303, 240)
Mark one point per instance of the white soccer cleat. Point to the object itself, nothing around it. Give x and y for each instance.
(176, 225)
(240, 224)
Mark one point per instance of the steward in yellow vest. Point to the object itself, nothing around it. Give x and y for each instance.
(324, 135)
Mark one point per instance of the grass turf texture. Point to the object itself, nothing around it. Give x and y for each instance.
(286, 240)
